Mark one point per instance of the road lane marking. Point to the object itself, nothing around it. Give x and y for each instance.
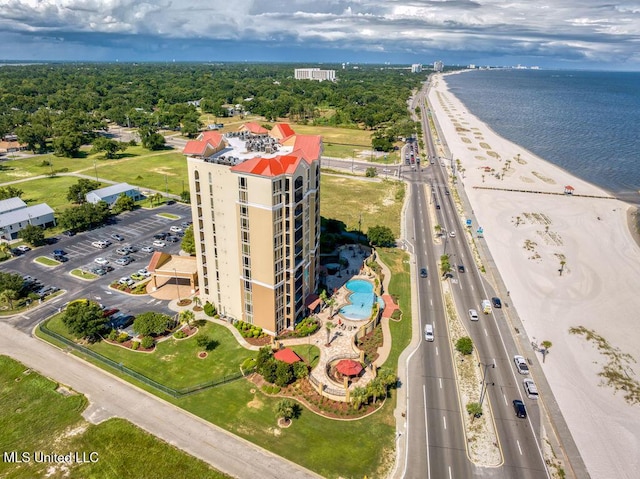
(444, 421)
(450, 474)
(426, 430)
(485, 332)
(505, 400)
(519, 448)
(437, 351)
(440, 380)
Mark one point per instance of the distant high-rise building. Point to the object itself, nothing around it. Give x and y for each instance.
(438, 66)
(416, 68)
(314, 74)
(255, 201)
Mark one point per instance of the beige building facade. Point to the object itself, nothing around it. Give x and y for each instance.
(256, 219)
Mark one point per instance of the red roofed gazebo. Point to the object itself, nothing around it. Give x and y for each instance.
(568, 190)
(287, 355)
(349, 367)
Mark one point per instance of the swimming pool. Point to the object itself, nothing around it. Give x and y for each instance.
(360, 299)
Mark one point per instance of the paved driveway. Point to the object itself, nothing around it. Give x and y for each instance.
(110, 397)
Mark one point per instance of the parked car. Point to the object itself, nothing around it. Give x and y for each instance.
(109, 312)
(496, 302)
(519, 408)
(98, 271)
(185, 224)
(125, 280)
(473, 315)
(122, 251)
(137, 277)
(125, 260)
(147, 249)
(23, 248)
(99, 244)
(61, 258)
(521, 364)
(69, 233)
(117, 237)
(130, 248)
(160, 236)
(175, 229)
(144, 272)
(59, 252)
(101, 261)
(159, 244)
(172, 239)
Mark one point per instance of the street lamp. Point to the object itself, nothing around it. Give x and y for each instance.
(484, 384)
(353, 159)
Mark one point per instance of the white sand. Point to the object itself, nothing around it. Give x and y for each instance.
(598, 288)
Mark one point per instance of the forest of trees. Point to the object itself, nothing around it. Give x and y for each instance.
(63, 106)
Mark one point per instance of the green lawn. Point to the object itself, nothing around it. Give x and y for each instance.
(175, 363)
(20, 168)
(162, 171)
(83, 275)
(52, 191)
(46, 261)
(34, 417)
(377, 202)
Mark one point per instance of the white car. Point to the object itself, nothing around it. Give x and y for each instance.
(23, 248)
(452, 234)
(159, 244)
(521, 364)
(144, 272)
(127, 281)
(99, 244)
(147, 249)
(530, 388)
(101, 261)
(175, 229)
(473, 315)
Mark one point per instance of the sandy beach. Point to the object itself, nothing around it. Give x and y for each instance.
(571, 266)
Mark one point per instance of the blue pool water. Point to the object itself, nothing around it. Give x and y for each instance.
(361, 300)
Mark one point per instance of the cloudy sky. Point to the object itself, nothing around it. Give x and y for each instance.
(547, 33)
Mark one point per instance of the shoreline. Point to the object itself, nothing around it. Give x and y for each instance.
(568, 262)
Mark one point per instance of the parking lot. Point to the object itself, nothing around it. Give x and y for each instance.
(136, 229)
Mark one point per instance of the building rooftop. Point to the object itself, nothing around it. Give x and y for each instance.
(11, 204)
(24, 214)
(112, 190)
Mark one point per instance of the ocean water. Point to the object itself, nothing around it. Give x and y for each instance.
(585, 122)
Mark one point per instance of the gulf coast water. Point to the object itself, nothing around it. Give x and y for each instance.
(586, 122)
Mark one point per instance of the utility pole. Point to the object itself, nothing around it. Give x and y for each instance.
(484, 384)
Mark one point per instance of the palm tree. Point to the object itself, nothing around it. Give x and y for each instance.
(285, 409)
(8, 295)
(377, 389)
(155, 198)
(546, 344)
(359, 396)
(331, 302)
(197, 302)
(329, 326)
(474, 409)
(438, 228)
(324, 298)
(187, 316)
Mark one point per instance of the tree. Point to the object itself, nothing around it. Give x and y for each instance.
(284, 373)
(300, 370)
(109, 146)
(187, 316)
(445, 265)
(371, 172)
(359, 396)
(265, 355)
(329, 326)
(123, 203)
(150, 138)
(9, 191)
(150, 323)
(12, 281)
(188, 244)
(68, 144)
(464, 345)
(376, 389)
(285, 409)
(381, 236)
(474, 409)
(9, 295)
(77, 193)
(34, 235)
(155, 198)
(84, 319)
(546, 344)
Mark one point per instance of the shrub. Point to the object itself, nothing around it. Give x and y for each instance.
(135, 345)
(464, 345)
(122, 337)
(209, 309)
(180, 335)
(113, 334)
(147, 342)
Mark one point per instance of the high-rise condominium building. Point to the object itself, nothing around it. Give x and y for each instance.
(256, 218)
(314, 74)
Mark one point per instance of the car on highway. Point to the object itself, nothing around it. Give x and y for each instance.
(423, 272)
(530, 388)
(460, 268)
(99, 244)
(147, 249)
(485, 306)
(473, 315)
(117, 237)
(518, 407)
(428, 332)
(496, 302)
(446, 192)
(101, 261)
(521, 364)
(159, 244)
(452, 234)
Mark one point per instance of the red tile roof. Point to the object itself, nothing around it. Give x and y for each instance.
(276, 166)
(284, 129)
(212, 137)
(287, 355)
(199, 146)
(254, 128)
(195, 147)
(309, 145)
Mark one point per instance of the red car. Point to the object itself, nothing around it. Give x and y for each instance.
(109, 312)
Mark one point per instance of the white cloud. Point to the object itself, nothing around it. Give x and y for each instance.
(581, 27)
